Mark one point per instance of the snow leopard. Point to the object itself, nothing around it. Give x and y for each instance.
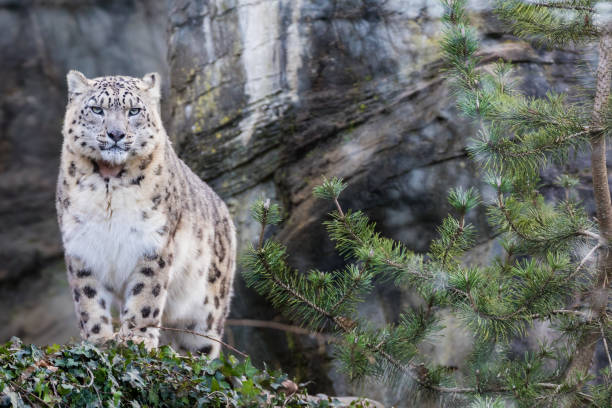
(140, 230)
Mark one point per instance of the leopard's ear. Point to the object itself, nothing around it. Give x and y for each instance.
(77, 82)
(152, 84)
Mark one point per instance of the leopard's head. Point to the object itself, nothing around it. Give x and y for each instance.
(113, 119)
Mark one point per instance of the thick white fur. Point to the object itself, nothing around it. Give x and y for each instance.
(111, 236)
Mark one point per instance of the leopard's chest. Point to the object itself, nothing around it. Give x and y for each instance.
(110, 230)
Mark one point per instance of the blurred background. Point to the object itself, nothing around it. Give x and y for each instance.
(261, 98)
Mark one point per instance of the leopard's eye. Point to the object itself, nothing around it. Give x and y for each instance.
(134, 111)
(97, 110)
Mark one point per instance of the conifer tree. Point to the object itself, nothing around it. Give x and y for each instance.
(554, 251)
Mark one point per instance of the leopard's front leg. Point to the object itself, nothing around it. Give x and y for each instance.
(144, 301)
(92, 302)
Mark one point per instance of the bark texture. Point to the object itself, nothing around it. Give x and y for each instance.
(585, 348)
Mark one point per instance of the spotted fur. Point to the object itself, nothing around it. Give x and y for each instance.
(140, 230)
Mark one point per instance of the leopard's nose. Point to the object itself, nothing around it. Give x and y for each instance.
(115, 135)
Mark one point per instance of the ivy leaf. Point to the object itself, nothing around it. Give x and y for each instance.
(249, 369)
(249, 389)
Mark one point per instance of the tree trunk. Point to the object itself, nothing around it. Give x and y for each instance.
(585, 348)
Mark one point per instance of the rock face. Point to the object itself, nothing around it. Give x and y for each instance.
(265, 98)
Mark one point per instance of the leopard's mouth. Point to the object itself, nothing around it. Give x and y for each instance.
(114, 148)
(107, 169)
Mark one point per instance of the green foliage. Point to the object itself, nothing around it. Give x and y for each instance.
(83, 375)
(525, 133)
(566, 181)
(299, 296)
(497, 302)
(486, 402)
(455, 235)
(463, 200)
(519, 136)
(329, 189)
(266, 213)
(548, 244)
(550, 22)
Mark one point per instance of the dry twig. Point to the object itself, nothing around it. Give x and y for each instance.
(224, 344)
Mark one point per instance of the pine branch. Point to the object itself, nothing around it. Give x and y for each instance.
(266, 214)
(556, 387)
(370, 245)
(584, 260)
(290, 290)
(455, 236)
(556, 230)
(411, 370)
(339, 209)
(593, 235)
(539, 22)
(264, 222)
(349, 292)
(565, 6)
(524, 114)
(510, 221)
(525, 152)
(560, 312)
(517, 313)
(454, 239)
